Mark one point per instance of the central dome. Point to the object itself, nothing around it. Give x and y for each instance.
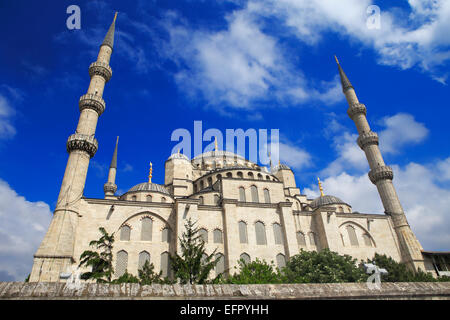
(146, 186)
(218, 154)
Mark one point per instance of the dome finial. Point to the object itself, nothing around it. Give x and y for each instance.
(320, 187)
(150, 173)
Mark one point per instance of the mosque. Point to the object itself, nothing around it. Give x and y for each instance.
(243, 210)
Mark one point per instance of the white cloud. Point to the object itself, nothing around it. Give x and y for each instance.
(420, 39)
(22, 227)
(7, 130)
(240, 67)
(293, 156)
(425, 202)
(401, 129)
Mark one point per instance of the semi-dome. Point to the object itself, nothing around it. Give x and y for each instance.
(148, 186)
(281, 166)
(179, 156)
(325, 200)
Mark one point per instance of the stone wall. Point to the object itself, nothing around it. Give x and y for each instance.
(42, 290)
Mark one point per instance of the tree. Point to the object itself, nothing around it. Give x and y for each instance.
(399, 272)
(147, 275)
(100, 262)
(323, 267)
(256, 272)
(194, 265)
(126, 278)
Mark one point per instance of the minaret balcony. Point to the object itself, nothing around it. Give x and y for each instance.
(92, 101)
(109, 187)
(367, 139)
(356, 108)
(381, 173)
(82, 142)
(101, 69)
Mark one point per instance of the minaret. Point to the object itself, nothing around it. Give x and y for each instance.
(381, 176)
(110, 187)
(55, 254)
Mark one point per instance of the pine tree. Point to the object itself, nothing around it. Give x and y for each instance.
(101, 262)
(147, 275)
(194, 265)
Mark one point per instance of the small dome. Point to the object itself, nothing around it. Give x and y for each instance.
(149, 187)
(281, 166)
(179, 156)
(325, 200)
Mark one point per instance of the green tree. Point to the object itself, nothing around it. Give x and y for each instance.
(100, 262)
(256, 272)
(147, 275)
(193, 265)
(399, 272)
(126, 278)
(323, 267)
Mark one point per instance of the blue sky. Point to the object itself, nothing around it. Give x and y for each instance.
(231, 64)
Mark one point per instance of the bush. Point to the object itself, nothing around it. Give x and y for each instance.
(323, 267)
(256, 272)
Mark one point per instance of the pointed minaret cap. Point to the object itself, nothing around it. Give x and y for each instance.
(109, 38)
(344, 80)
(114, 158)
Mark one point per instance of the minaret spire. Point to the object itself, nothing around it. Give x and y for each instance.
(381, 175)
(150, 172)
(56, 252)
(109, 38)
(344, 80)
(110, 187)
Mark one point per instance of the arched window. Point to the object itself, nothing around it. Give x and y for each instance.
(260, 177)
(301, 239)
(241, 194)
(143, 257)
(201, 185)
(146, 229)
(229, 175)
(312, 239)
(220, 266)
(240, 175)
(125, 233)
(195, 188)
(260, 230)
(250, 175)
(121, 263)
(165, 264)
(254, 192)
(133, 198)
(163, 199)
(352, 236)
(281, 261)
(219, 176)
(209, 181)
(216, 199)
(266, 196)
(217, 236)
(243, 232)
(267, 177)
(204, 234)
(165, 235)
(277, 233)
(149, 198)
(201, 200)
(367, 240)
(245, 257)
